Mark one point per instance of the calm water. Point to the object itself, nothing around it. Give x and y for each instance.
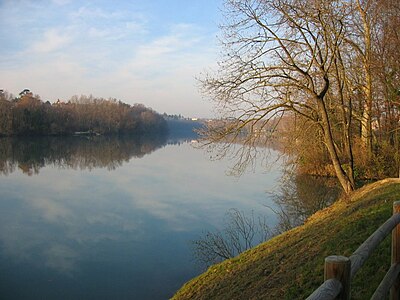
(109, 218)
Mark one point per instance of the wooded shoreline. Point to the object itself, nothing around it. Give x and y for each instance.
(28, 115)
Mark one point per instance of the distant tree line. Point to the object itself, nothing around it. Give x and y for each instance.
(29, 115)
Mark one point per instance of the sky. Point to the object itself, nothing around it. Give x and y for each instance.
(148, 52)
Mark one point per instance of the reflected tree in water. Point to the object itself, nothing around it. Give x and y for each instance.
(299, 196)
(84, 153)
(240, 232)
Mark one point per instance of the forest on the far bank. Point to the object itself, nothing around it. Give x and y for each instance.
(29, 115)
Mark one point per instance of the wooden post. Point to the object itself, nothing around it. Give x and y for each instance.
(338, 267)
(395, 290)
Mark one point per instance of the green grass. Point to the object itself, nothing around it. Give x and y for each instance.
(290, 266)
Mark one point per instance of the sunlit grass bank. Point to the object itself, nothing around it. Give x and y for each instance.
(290, 266)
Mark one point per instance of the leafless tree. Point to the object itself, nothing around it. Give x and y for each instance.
(279, 57)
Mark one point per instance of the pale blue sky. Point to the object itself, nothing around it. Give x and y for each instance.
(137, 51)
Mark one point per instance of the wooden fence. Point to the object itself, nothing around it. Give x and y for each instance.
(339, 270)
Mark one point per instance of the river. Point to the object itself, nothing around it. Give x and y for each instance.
(113, 218)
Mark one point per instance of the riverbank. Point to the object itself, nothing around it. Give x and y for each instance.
(290, 266)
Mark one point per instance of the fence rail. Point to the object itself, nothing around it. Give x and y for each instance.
(339, 270)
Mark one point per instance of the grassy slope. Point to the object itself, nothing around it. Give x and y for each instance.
(290, 266)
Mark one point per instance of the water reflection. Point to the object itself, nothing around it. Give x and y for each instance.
(77, 231)
(76, 152)
(301, 195)
(297, 197)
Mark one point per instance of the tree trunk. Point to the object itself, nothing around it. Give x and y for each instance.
(366, 120)
(346, 118)
(346, 183)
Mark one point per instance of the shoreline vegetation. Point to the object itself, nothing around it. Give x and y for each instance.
(326, 73)
(28, 115)
(290, 265)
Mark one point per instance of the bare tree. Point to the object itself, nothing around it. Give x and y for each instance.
(387, 70)
(279, 57)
